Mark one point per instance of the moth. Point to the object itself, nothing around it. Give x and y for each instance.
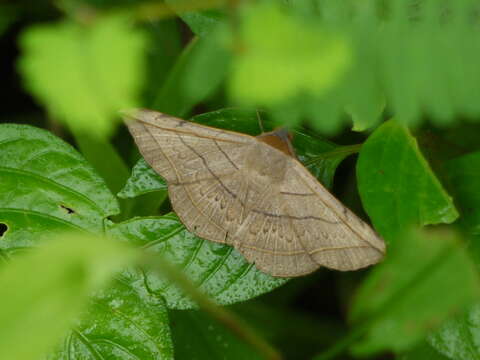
(252, 193)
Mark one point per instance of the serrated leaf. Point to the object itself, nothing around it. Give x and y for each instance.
(197, 337)
(396, 184)
(46, 184)
(38, 310)
(396, 298)
(284, 56)
(122, 323)
(99, 72)
(218, 269)
(320, 156)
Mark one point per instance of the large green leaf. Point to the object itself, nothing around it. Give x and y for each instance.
(396, 184)
(320, 156)
(47, 187)
(218, 269)
(100, 70)
(44, 291)
(46, 184)
(425, 278)
(121, 323)
(198, 337)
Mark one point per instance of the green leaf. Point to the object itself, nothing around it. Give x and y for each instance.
(104, 158)
(202, 23)
(122, 322)
(36, 311)
(196, 75)
(218, 269)
(422, 352)
(395, 301)
(396, 184)
(166, 38)
(311, 332)
(8, 13)
(47, 184)
(99, 72)
(464, 176)
(198, 337)
(320, 156)
(143, 180)
(458, 338)
(284, 56)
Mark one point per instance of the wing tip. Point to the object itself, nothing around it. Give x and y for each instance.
(138, 114)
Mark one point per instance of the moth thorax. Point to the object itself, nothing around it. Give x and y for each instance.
(268, 164)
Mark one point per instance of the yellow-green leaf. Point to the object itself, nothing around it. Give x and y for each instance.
(84, 75)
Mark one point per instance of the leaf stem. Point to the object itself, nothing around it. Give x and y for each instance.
(223, 316)
(342, 150)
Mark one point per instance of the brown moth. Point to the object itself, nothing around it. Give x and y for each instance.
(253, 193)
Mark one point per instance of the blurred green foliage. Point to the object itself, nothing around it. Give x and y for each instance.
(322, 68)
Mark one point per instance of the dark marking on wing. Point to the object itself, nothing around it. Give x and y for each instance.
(296, 194)
(225, 154)
(181, 123)
(207, 167)
(235, 196)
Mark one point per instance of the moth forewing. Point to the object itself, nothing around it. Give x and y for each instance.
(253, 194)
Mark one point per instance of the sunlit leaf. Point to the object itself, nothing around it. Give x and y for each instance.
(46, 289)
(99, 72)
(284, 56)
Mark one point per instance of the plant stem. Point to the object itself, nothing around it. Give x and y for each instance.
(341, 150)
(223, 316)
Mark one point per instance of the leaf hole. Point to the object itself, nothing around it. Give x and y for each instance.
(67, 209)
(3, 229)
